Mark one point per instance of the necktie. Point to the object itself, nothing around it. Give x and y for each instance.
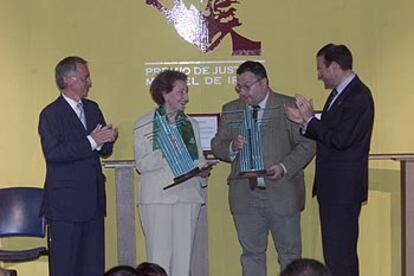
(252, 183)
(82, 117)
(255, 111)
(331, 98)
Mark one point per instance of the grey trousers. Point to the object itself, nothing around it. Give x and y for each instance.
(253, 228)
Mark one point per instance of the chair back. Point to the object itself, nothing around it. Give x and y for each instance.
(20, 212)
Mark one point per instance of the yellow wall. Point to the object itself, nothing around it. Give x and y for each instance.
(117, 37)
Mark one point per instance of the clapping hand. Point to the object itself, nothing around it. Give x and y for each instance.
(302, 112)
(102, 135)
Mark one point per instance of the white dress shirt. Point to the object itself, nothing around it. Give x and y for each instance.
(73, 104)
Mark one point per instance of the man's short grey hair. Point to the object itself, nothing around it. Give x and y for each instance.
(65, 66)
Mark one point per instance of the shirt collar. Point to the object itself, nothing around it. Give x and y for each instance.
(341, 86)
(71, 102)
(263, 102)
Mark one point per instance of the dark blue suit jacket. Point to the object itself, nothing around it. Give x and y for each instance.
(74, 185)
(343, 138)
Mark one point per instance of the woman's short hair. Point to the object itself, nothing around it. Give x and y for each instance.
(164, 83)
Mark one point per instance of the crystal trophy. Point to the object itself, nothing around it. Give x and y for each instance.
(251, 155)
(174, 150)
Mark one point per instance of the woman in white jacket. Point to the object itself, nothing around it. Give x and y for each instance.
(168, 216)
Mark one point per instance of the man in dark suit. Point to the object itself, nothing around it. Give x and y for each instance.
(74, 135)
(272, 202)
(343, 136)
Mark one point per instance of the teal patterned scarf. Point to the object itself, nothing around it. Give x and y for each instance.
(184, 127)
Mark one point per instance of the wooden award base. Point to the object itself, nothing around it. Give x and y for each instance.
(250, 174)
(180, 179)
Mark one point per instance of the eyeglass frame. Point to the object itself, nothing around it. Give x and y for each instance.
(246, 87)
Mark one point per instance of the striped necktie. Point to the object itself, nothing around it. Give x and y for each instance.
(255, 111)
(82, 117)
(331, 98)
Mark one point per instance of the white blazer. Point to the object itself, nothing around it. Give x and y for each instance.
(155, 173)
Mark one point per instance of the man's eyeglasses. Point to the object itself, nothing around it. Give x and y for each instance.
(245, 87)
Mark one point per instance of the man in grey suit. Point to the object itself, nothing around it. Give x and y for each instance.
(272, 202)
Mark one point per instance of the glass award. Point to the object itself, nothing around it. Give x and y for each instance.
(251, 155)
(174, 150)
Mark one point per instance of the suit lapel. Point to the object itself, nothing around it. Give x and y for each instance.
(272, 105)
(266, 124)
(325, 107)
(239, 115)
(341, 98)
(271, 113)
(71, 115)
(338, 100)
